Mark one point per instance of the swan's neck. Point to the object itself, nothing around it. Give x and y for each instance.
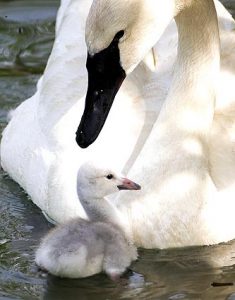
(197, 66)
(177, 143)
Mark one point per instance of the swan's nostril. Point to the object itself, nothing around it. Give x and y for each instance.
(98, 92)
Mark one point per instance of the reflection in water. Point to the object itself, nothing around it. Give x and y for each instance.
(169, 274)
(26, 32)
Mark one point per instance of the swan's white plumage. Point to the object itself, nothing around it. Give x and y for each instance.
(38, 148)
(182, 180)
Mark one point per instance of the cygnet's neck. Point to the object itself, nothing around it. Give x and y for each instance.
(100, 209)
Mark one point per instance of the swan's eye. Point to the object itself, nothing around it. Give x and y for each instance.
(110, 176)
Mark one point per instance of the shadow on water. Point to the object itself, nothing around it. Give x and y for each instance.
(26, 34)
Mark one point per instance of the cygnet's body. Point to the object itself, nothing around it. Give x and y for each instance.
(81, 248)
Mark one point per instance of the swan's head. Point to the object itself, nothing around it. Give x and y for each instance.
(119, 33)
(97, 181)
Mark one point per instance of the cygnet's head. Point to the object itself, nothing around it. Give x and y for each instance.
(119, 34)
(95, 181)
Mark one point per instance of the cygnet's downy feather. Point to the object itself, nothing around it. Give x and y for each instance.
(81, 248)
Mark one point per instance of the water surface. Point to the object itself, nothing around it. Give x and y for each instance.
(26, 35)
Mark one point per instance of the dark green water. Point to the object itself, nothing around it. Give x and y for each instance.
(26, 35)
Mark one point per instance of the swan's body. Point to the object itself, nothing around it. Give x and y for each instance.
(45, 161)
(188, 197)
(81, 248)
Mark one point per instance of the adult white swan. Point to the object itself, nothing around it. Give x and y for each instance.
(38, 148)
(187, 164)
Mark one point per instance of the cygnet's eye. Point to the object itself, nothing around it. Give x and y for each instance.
(110, 176)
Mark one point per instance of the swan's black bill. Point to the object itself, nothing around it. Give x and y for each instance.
(129, 185)
(105, 76)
